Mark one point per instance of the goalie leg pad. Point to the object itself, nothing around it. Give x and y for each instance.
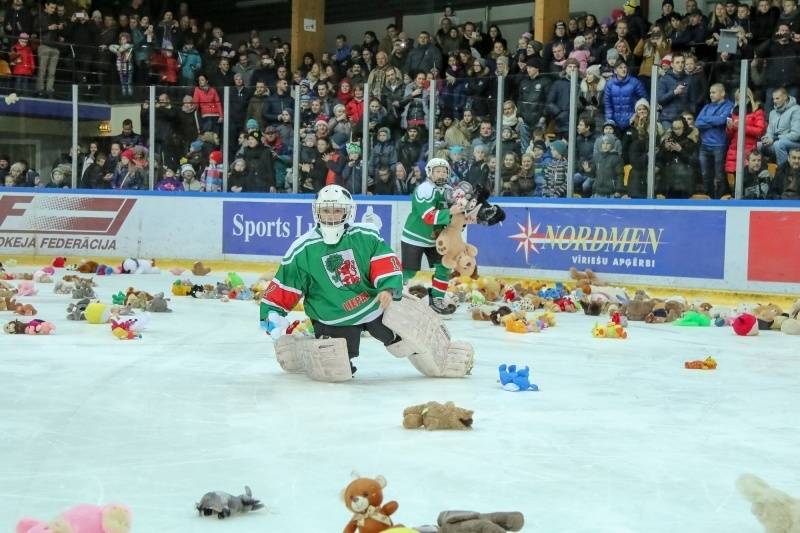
(417, 324)
(425, 335)
(325, 359)
(288, 357)
(401, 348)
(455, 362)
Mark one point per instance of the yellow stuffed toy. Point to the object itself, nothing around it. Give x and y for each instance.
(97, 313)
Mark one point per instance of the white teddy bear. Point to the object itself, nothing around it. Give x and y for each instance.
(777, 511)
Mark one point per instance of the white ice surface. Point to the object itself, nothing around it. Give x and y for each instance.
(621, 437)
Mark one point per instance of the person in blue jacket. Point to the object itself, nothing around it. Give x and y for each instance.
(620, 96)
(712, 122)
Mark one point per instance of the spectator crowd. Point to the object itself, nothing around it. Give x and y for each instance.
(696, 57)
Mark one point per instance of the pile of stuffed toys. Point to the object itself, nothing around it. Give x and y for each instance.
(510, 305)
(370, 512)
(87, 307)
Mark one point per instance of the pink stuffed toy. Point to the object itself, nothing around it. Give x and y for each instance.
(26, 288)
(39, 327)
(82, 519)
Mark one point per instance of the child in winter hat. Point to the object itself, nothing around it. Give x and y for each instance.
(560, 147)
(169, 182)
(212, 175)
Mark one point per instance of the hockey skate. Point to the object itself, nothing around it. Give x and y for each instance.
(441, 305)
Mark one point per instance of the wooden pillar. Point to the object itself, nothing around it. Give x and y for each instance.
(545, 15)
(308, 29)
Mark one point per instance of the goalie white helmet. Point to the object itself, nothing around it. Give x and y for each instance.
(334, 209)
(433, 173)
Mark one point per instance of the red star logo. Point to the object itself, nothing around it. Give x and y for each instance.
(527, 238)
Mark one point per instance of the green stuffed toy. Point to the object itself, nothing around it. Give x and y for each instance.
(235, 280)
(693, 319)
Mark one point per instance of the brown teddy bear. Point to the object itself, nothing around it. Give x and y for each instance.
(659, 313)
(472, 522)
(199, 269)
(638, 308)
(363, 497)
(491, 288)
(434, 415)
(766, 315)
(456, 253)
(482, 312)
(791, 324)
(675, 310)
(497, 315)
(587, 277)
(87, 267)
(419, 291)
(592, 307)
(137, 299)
(15, 327)
(25, 310)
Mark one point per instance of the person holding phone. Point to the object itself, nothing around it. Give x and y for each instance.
(674, 94)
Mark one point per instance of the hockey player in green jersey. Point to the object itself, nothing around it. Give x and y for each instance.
(346, 272)
(430, 213)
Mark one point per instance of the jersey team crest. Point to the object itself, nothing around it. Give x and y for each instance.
(341, 268)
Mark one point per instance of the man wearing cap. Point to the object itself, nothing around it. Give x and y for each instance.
(620, 95)
(674, 93)
(260, 164)
(411, 149)
(667, 13)
(532, 98)
(352, 173)
(559, 37)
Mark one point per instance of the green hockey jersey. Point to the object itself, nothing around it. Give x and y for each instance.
(429, 214)
(339, 281)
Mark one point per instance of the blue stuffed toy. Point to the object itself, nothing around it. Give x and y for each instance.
(515, 380)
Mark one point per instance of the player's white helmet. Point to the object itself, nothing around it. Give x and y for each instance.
(334, 209)
(441, 178)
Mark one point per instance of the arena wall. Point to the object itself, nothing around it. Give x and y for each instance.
(737, 246)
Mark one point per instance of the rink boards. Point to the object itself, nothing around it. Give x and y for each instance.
(743, 246)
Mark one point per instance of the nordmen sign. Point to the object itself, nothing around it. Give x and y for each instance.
(61, 222)
(651, 242)
(268, 228)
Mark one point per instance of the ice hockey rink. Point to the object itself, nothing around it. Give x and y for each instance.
(620, 438)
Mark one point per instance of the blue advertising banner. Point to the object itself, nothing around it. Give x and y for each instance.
(647, 241)
(268, 228)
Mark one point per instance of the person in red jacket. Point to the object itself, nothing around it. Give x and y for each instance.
(23, 63)
(208, 104)
(755, 126)
(165, 65)
(355, 107)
